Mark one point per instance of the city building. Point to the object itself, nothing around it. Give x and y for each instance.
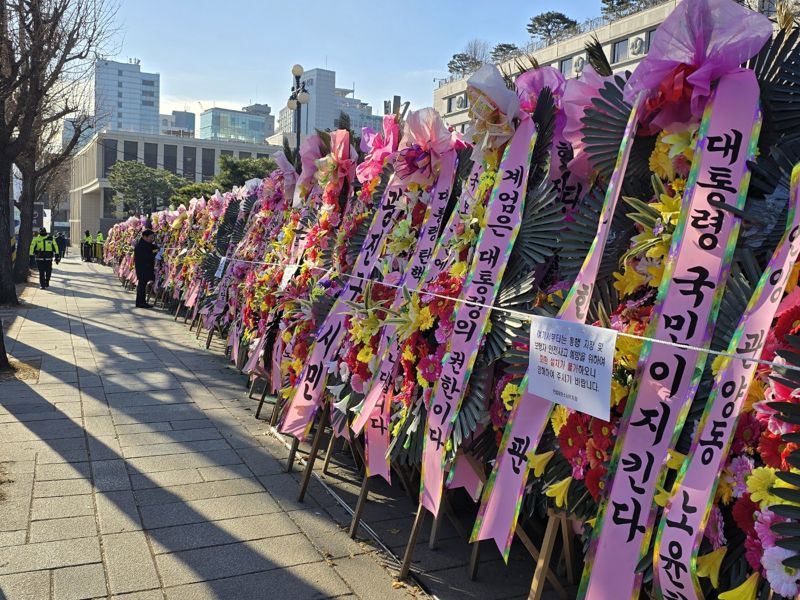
(125, 97)
(626, 41)
(180, 123)
(325, 105)
(253, 124)
(91, 198)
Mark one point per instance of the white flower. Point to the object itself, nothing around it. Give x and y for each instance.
(782, 579)
(344, 371)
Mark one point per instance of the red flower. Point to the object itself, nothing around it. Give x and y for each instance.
(574, 435)
(601, 434)
(595, 481)
(744, 511)
(597, 456)
(746, 436)
(787, 322)
(770, 448)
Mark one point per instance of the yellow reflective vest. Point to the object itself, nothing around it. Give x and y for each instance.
(43, 246)
(99, 238)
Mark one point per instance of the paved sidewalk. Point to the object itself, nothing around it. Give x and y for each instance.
(139, 472)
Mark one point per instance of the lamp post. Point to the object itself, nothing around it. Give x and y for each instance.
(298, 97)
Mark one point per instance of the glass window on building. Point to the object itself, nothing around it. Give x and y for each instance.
(148, 103)
(648, 39)
(109, 155)
(119, 84)
(261, 155)
(223, 153)
(190, 163)
(130, 150)
(450, 103)
(209, 158)
(619, 51)
(243, 154)
(170, 157)
(109, 204)
(151, 155)
(565, 66)
(148, 82)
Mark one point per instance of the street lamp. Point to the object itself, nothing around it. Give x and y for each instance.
(298, 97)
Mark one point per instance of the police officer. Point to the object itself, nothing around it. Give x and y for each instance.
(44, 249)
(87, 246)
(61, 242)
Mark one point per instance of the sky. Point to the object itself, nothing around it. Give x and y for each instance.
(232, 53)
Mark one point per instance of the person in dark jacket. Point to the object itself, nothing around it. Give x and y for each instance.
(144, 259)
(44, 249)
(61, 242)
(88, 249)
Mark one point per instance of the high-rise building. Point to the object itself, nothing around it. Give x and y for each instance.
(252, 124)
(180, 123)
(125, 97)
(325, 105)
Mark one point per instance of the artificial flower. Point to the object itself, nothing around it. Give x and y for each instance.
(746, 591)
(559, 491)
(539, 462)
(709, 564)
(511, 393)
(782, 579)
(558, 418)
(759, 483)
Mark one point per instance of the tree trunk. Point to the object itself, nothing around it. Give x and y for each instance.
(5, 365)
(8, 291)
(27, 197)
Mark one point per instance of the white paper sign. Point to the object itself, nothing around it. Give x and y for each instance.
(571, 364)
(288, 273)
(221, 267)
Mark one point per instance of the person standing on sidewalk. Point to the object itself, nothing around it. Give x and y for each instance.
(45, 249)
(144, 259)
(98, 240)
(61, 242)
(88, 249)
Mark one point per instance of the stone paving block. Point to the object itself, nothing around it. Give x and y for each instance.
(49, 555)
(226, 531)
(61, 487)
(110, 475)
(314, 581)
(188, 435)
(198, 491)
(149, 595)
(129, 565)
(34, 585)
(260, 461)
(234, 559)
(52, 530)
(198, 446)
(99, 426)
(12, 538)
(329, 538)
(141, 428)
(209, 509)
(64, 456)
(104, 448)
(171, 462)
(14, 509)
(368, 579)
(61, 507)
(227, 472)
(79, 470)
(195, 423)
(117, 512)
(141, 481)
(77, 583)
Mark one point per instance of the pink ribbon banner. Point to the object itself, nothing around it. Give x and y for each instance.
(388, 347)
(377, 432)
(502, 496)
(504, 215)
(686, 514)
(685, 312)
(299, 415)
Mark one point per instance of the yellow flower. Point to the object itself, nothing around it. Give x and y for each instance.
(538, 462)
(459, 269)
(746, 591)
(759, 482)
(421, 380)
(408, 354)
(559, 418)
(675, 460)
(661, 249)
(296, 366)
(365, 354)
(286, 336)
(755, 394)
(708, 565)
(425, 319)
(657, 274)
(681, 143)
(591, 522)
(660, 162)
(725, 488)
(618, 392)
(510, 394)
(627, 351)
(629, 282)
(559, 491)
(717, 364)
(679, 185)
(669, 207)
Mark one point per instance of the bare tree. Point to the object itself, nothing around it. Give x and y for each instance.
(478, 50)
(44, 45)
